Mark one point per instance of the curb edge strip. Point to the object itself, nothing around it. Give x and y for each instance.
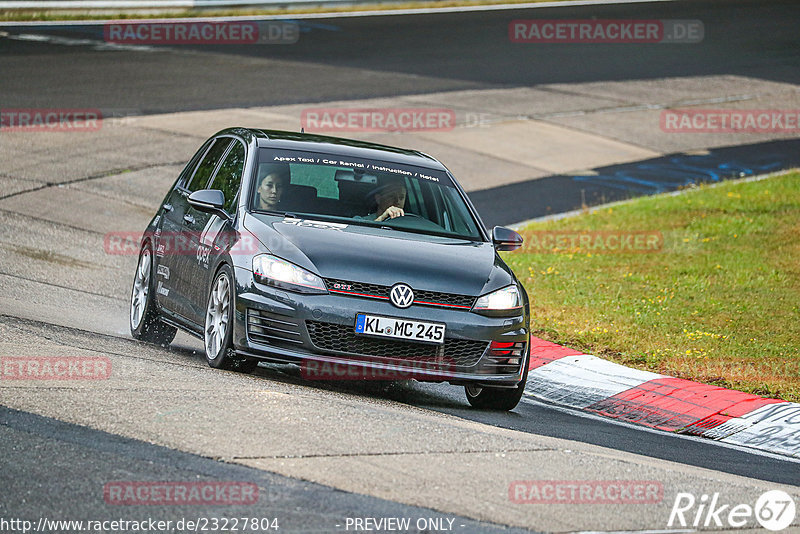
(568, 377)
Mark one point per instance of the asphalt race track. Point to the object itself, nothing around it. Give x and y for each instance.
(74, 460)
(324, 452)
(365, 57)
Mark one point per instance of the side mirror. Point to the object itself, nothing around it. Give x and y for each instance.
(505, 238)
(209, 201)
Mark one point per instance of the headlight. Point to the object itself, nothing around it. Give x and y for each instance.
(502, 299)
(280, 273)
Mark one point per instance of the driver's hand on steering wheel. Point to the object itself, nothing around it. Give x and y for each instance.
(390, 213)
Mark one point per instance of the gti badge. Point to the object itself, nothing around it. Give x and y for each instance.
(401, 295)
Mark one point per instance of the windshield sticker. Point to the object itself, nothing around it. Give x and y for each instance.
(409, 172)
(296, 159)
(383, 168)
(315, 224)
(426, 177)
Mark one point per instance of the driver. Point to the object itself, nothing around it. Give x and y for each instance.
(272, 187)
(389, 200)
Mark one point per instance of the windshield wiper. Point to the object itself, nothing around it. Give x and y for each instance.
(267, 212)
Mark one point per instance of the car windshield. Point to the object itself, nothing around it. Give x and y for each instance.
(360, 191)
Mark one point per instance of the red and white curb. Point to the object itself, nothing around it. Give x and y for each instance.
(567, 377)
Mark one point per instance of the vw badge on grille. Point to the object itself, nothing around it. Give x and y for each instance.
(401, 295)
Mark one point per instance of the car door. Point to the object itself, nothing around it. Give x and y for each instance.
(184, 249)
(168, 229)
(209, 233)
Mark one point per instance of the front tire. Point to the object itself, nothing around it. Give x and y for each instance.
(501, 399)
(144, 322)
(218, 331)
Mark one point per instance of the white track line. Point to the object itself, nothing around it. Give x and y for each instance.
(67, 41)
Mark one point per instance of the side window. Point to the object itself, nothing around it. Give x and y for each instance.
(187, 171)
(209, 163)
(229, 176)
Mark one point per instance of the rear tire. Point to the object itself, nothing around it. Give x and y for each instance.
(143, 319)
(218, 331)
(501, 399)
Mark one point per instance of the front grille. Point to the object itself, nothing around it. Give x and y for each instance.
(443, 299)
(358, 288)
(270, 328)
(341, 338)
(421, 297)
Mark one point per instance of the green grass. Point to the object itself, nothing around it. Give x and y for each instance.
(719, 303)
(34, 15)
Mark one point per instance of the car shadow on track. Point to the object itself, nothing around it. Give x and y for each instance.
(436, 396)
(408, 392)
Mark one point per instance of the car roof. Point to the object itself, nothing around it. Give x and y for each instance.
(336, 145)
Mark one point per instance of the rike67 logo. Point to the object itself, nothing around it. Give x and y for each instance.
(774, 510)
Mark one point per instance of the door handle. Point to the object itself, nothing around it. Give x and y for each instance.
(167, 207)
(188, 218)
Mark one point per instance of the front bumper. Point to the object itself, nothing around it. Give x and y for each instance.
(317, 332)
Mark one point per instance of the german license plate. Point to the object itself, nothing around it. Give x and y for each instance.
(393, 327)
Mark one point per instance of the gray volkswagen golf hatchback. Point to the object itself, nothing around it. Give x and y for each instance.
(353, 260)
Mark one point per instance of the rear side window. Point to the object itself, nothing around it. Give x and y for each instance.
(229, 176)
(187, 171)
(209, 163)
(317, 176)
